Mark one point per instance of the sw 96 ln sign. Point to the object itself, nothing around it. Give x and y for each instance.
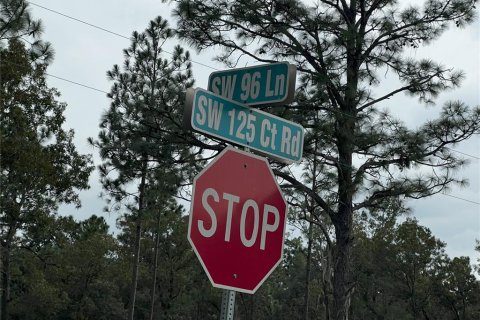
(272, 84)
(234, 122)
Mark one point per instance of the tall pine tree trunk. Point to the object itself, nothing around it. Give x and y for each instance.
(342, 273)
(343, 246)
(155, 264)
(138, 236)
(343, 219)
(326, 301)
(136, 263)
(308, 270)
(310, 241)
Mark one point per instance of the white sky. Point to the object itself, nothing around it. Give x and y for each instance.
(83, 54)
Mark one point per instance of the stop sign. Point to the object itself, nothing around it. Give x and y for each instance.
(237, 220)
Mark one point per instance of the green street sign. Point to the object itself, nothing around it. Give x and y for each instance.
(239, 124)
(272, 84)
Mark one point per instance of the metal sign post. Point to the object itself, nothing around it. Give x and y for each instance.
(228, 305)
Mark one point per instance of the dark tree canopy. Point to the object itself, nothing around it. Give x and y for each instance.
(39, 164)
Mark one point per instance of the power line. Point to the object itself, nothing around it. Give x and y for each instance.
(77, 83)
(57, 77)
(109, 31)
(81, 21)
(465, 154)
(467, 200)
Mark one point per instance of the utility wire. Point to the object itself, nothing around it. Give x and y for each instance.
(471, 201)
(81, 21)
(465, 154)
(109, 31)
(77, 83)
(60, 78)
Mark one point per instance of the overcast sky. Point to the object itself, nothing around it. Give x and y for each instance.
(83, 54)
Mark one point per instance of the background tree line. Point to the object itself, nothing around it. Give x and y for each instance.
(346, 260)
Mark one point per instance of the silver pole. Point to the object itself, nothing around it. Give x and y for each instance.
(228, 296)
(228, 305)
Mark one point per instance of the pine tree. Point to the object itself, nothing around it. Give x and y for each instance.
(141, 140)
(339, 48)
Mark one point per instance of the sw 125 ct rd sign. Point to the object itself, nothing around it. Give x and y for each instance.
(234, 122)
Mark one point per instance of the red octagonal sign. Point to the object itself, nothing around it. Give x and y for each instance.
(237, 220)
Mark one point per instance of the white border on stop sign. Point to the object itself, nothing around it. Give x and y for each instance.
(220, 286)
